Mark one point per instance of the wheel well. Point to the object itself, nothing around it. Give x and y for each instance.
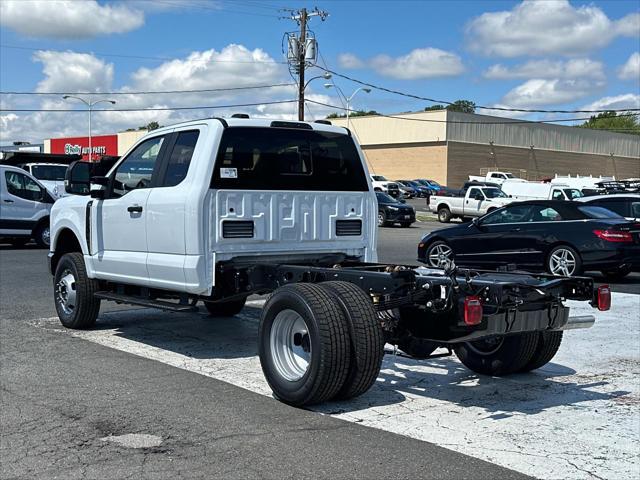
(41, 222)
(67, 242)
(443, 205)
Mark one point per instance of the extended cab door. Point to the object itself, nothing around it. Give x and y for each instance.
(474, 202)
(120, 253)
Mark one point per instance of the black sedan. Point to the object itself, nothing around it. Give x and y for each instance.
(391, 210)
(561, 238)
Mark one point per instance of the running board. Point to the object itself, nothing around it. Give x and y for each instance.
(145, 302)
(579, 321)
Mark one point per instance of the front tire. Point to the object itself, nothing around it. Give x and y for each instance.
(42, 235)
(74, 293)
(438, 254)
(444, 215)
(225, 309)
(382, 219)
(498, 356)
(564, 261)
(367, 338)
(303, 343)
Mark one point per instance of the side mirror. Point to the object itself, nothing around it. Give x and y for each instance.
(475, 220)
(76, 180)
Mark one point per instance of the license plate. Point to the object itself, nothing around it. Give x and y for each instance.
(407, 217)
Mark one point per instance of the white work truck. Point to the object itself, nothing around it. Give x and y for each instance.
(475, 202)
(496, 177)
(219, 209)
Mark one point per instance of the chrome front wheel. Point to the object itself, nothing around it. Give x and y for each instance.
(66, 292)
(439, 255)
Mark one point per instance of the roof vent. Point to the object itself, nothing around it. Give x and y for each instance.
(240, 115)
(323, 122)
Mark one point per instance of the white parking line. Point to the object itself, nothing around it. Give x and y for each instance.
(577, 417)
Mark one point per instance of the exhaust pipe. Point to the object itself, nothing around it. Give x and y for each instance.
(579, 321)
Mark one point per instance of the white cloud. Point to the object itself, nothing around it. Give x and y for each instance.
(546, 27)
(350, 61)
(419, 63)
(618, 102)
(73, 72)
(541, 92)
(571, 69)
(68, 19)
(233, 66)
(631, 69)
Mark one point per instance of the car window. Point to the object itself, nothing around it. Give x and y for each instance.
(593, 211)
(558, 195)
(573, 193)
(494, 193)
(137, 169)
(543, 213)
(23, 187)
(511, 214)
(180, 158)
(475, 192)
(619, 206)
(383, 197)
(49, 172)
(379, 178)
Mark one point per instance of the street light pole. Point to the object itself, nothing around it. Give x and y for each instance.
(347, 99)
(90, 105)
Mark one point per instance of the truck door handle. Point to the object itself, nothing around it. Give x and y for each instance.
(8, 201)
(134, 209)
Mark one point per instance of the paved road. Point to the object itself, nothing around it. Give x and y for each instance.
(66, 401)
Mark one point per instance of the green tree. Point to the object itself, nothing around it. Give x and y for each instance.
(437, 106)
(150, 126)
(357, 113)
(464, 106)
(623, 123)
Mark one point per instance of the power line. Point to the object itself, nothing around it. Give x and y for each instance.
(217, 9)
(205, 90)
(138, 57)
(447, 102)
(149, 109)
(506, 122)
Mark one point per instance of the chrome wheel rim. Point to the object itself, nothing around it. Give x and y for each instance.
(290, 345)
(46, 236)
(486, 346)
(440, 255)
(562, 262)
(66, 292)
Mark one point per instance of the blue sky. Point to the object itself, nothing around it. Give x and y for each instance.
(546, 54)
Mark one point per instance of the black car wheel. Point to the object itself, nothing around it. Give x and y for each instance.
(382, 218)
(564, 261)
(438, 254)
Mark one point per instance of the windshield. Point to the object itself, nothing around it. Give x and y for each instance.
(271, 158)
(509, 175)
(573, 193)
(383, 197)
(379, 178)
(433, 182)
(598, 212)
(494, 193)
(49, 172)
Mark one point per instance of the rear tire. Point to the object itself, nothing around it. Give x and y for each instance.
(367, 338)
(444, 215)
(225, 309)
(382, 219)
(74, 293)
(563, 260)
(547, 347)
(498, 356)
(42, 235)
(303, 343)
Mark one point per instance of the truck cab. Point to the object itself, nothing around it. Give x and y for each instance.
(187, 198)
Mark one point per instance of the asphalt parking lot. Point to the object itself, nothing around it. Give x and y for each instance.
(156, 394)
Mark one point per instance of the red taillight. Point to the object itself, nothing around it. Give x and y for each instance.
(604, 298)
(614, 236)
(472, 310)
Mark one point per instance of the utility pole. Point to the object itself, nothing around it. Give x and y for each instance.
(301, 54)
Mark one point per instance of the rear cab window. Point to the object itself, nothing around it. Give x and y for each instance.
(270, 158)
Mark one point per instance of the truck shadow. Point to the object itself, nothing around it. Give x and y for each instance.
(447, 380)
(207, 339)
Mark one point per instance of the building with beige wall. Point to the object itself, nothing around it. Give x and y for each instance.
(449, 146)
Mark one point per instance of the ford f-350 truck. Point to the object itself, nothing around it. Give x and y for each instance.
(219, 209)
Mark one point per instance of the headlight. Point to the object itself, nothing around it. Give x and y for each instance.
(393, 209)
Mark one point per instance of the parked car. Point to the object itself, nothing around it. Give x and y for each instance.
(497, 177)
(625, 204)
(382, 184)
(25, 206)
(406, 192)
(51, 175)
(392, 211)
(432, 185)
(420, 190)
(474, 203)
(561, 238)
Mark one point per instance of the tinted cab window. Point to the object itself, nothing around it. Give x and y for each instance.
(180, 158)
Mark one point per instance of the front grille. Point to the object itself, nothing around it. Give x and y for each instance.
(237, 229)
(346, 228)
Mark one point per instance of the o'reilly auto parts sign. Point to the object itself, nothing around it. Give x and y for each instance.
(100, 145)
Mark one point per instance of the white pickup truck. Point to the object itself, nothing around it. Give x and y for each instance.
(540, 191)
(476, 202)
(496, 177)
(219, 209)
